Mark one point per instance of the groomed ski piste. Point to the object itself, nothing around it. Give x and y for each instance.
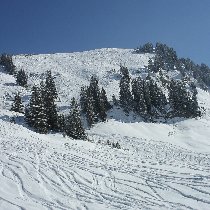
(163, 165)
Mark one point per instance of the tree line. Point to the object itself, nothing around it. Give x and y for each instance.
(147, 99)
(166, 58)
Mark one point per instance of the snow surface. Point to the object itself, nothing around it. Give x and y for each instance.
(160, 165)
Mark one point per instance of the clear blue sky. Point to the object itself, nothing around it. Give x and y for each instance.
(48, 26)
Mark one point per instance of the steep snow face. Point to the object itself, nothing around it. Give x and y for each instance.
(72, 70)
(160, 166)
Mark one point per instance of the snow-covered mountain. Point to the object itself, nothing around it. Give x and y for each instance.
(160, 165)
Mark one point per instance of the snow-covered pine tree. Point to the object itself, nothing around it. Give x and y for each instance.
(35, 114)
(150, 65)
(61, 123)
(6, 61)
(166, 55)
(73, 125)
(102, 113)
(94, 91)
(194, 108)
(138, 96)
(146, 48)
(147, 97)
(50, 85)
(94, 103)
(104, 98)
(83, 99)
(51, 113)
(91, 116)
(126, 100)
(21, 78)
(49, 93)
(158, 99)
(17, 105)
(183, 101)
(155, 65)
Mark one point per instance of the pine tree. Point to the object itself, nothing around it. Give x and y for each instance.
(35, 111)
(158, 99)
(21, 78)
(49, 93)
(138, 96)
(147, 97)
(126, 100)
(61, 123)
(194, 109)
(6, 61)
(17, 105)
(150, 65)
(102, 113)
(167, 56)
(50, 85)
(94, 91)
(156, 65)
(51, 113)
(146, 48)
(74, 126)
(94, 103)
(83, 99)
(90, 114)
(183, 102)
(103, 97)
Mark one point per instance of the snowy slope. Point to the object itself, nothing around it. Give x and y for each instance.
(73, 70)
(160, 166)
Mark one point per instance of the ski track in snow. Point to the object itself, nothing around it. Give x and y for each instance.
(158, 167)
(145, 175)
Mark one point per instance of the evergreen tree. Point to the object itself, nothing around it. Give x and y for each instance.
(94, 91)
(90, 114)
(35, 111)
(147, 97)
(166, 55)
(138, 96)
(150, 65)
(126, 100)
(17, 105)
(94, 103)
(146, 48)
(49, 94)
(103, 97)
(83, 99)
(103, 100)
(124, 71)
(50, 86)
(158, 99)
(21, 78)
(51, 112)
(194, 109)
(74, 126)
(61, 123)
(6, 61)
(182, 100)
